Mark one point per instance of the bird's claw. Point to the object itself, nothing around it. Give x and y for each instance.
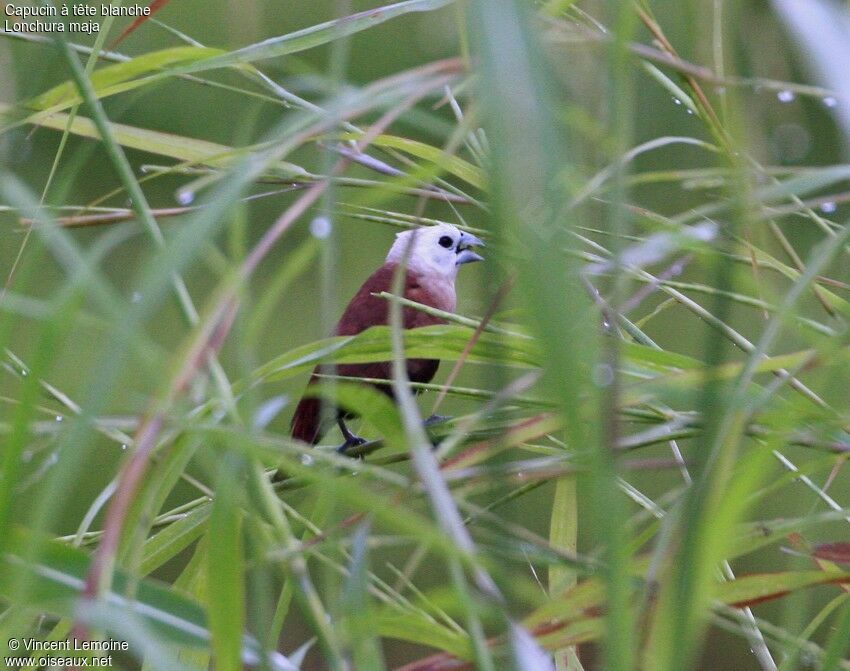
(350, 443)
(436, 419)
(431, 421)
(351, 439)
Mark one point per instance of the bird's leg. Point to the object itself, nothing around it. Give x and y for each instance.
(436, 419)
(351, 440)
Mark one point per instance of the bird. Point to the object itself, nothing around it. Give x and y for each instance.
(433, 254)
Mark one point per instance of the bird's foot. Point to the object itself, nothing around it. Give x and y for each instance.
(436, 419)
(351, 442)
(351, 439)
(432, 421)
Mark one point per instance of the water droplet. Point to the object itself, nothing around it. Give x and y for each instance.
(689, 110)
(59, 418)
(828, 207)
(24, 372)
(677, 101)
(786, 96)
(306, 460)
(123, 446)
(603, 375)
(320, 227)
(830, 101)
(136, 297)
(185, 196)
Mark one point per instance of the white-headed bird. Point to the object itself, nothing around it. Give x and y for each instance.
(434, 255)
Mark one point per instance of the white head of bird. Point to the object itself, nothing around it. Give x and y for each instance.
(435, 250)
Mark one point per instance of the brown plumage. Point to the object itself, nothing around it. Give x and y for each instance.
(366, 310)
(433, 254)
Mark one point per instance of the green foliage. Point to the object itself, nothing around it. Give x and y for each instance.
(649, 425)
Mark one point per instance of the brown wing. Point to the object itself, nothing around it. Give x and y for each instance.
(306, 422)
(364, 311)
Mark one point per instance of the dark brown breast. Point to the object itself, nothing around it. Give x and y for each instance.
(364, 311)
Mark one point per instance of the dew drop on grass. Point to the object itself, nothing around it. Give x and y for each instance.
(185, 196)
(320, 228)
(677, 101)
(59, 418)
(24, 372)
(786, 96)
(306, 460)
(123, 446)
(830, 101)
(828, 207)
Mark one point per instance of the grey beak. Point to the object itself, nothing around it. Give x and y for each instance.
(469, 240)
(466, 255)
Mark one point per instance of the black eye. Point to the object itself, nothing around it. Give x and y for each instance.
(446, 241)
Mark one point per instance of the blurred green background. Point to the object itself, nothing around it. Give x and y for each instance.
(783, 129)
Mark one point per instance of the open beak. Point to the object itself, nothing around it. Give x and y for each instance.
(464, 253)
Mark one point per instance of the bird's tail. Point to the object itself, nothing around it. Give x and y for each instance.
(307, 421)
